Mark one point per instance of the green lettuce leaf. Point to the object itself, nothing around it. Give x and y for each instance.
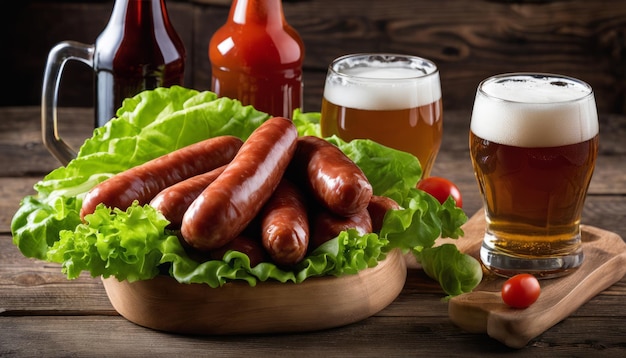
(134, 244)
(128, 244)
(457, 273)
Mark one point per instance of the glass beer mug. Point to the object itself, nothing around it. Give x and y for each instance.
(138, 50)
(533, 144)
(392, 99)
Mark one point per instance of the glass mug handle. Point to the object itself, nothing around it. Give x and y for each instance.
(58, 56)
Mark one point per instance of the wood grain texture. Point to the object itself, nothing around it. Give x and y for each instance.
(483, 311)
(469, 40)
(44, 314)
(269, 307)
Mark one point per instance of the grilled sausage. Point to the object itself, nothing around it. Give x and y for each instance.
(285, 225)
(173, 201)
(378, 207)
(230, 203)
(246, 245)
(327, 226)
(334, 180)
(144, 181)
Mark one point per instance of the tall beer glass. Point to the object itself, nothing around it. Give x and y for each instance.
(394, 100)
(533, 143)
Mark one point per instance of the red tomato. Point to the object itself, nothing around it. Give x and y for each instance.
(521, 291)
(441, 189)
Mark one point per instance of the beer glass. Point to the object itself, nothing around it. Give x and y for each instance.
(392, 99)
(533, 144)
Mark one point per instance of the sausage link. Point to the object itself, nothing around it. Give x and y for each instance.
(327, 226)
(285, 225)
(378, 207)
(144, 181)
(174, 200)
(244, 244)
(333, 178)
(230, 203)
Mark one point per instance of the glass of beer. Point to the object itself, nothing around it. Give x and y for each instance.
(533, 144)
(392, 99)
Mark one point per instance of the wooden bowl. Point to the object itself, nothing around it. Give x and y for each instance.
(270, 307)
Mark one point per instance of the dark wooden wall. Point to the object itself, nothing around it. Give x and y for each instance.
(468, 39)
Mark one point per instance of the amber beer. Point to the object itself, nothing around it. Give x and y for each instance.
(394, 100)
(533, 144)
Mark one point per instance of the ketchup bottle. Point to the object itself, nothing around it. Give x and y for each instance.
(138, 50)
(256, 57)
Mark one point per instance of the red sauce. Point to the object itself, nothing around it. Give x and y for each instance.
(256, 57)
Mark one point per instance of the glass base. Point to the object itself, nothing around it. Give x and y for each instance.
(550, 267)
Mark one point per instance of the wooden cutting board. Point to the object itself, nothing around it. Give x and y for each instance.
(483, 311)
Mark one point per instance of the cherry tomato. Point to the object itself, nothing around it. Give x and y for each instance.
(441, 189)
(521, 291)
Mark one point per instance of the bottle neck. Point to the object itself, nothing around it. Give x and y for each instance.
(260, 12)
(138, 13)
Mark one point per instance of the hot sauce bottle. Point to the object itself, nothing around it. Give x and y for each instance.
(256, 57)
(138, 50)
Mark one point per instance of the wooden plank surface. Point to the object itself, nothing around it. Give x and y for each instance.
(44, 314)
(50, 336)
(469, 40)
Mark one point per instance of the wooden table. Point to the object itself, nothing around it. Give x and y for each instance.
(44, 314)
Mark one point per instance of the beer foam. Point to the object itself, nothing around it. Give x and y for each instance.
(530, 111)
(387, 88)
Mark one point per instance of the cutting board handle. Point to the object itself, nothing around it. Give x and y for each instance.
(483, 311)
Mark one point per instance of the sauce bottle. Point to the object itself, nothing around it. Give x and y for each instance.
(138, 50)
(256, 57)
